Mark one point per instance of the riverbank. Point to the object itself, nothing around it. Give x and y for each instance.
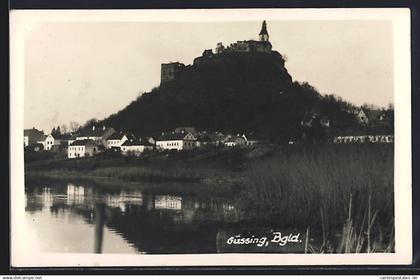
(344, 193)
(221, 166)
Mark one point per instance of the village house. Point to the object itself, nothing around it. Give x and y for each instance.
(250, 140)
(374, 118)
(235, 141)
(150, 140)
(82, 148)
(115, 140)
(311, 119)
(135, 147)
(176, 141)
(71, 140)
(97, 134)
(211, 139)
(56, 143)
(361, 117)
(48, 142)
(33, 136)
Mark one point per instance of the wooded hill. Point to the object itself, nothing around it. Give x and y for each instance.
(231, 93)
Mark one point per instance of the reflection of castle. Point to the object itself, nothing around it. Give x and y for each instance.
(169, 71)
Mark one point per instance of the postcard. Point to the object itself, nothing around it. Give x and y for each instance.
(210, 137)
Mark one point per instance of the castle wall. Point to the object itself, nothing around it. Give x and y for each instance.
(169, 71)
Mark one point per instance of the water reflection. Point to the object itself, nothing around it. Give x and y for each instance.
(134, 219)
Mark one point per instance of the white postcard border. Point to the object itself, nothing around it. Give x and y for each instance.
(21, 22)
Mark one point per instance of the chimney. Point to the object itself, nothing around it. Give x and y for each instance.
(93, 127)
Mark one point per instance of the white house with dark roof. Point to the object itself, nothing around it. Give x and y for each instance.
(115, 140)
(82, 148)
(135, 147)
(177, 141)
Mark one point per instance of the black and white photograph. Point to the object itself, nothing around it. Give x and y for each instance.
(211, 137)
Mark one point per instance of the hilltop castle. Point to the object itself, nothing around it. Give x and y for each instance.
(170, 70)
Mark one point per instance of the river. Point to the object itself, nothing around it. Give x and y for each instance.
(113, 217)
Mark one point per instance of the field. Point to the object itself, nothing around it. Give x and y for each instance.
(341, 196)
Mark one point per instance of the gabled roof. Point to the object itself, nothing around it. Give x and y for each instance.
(136, 142)
(61, 137)
(93, 131)
(212, 136)
(174, 136)
(83, 142)
(34, 134)
(233, 138)
(116, 136)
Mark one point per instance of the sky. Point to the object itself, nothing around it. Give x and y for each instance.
(76, 71)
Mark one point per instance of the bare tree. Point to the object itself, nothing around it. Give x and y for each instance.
(74, 126)
(64, 129)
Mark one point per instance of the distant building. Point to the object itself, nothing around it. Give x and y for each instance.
(51, 141)
(251, 140)
(176, 141)
(375, 118)
(211, 139)
(235, 141)
(33, 136)
(170, 70)
(71, 140)
(95, 133)
(263, 36)
(82, 148)
(263, 45)
(362, 118)
(135, 146)
(150, 140)
(115, 140)
(311, 119)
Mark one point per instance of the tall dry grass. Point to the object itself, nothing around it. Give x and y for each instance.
(342, 195)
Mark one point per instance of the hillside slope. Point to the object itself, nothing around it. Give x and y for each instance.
(231, 92)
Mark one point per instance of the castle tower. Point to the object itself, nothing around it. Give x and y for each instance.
(263, 33)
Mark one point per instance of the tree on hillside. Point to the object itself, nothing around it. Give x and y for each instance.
(91, 122)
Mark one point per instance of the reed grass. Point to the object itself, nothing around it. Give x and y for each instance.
(343, 193)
